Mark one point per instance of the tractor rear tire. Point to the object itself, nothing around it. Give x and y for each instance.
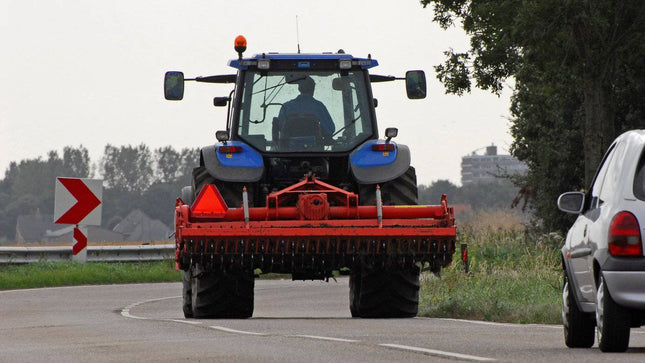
(400, 191)
(222, 294)
(388, 293)
(354, 293)
(230, 191)
(187, 300)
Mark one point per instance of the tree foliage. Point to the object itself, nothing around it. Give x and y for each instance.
(577, 66)
(498, 195)
(127, 168)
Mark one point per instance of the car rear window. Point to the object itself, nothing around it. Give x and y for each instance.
(639, 180)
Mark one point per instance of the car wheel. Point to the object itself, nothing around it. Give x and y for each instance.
(612, 321)
(578, 325)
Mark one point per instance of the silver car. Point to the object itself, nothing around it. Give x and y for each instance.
(603, 260)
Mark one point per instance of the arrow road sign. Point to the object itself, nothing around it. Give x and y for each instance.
(78, 201)
(81, 241)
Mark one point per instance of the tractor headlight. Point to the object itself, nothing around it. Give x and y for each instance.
(345, 63)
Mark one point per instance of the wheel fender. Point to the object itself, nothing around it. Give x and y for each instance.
(188, 194)
(369, 170)
(586, 307)
(246, 166)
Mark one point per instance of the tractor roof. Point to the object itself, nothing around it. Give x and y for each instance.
(244, 63)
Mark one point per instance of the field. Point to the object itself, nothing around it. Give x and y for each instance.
(515, 276)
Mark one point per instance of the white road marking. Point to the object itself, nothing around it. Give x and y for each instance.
(506, 325)
(228, 330)
(325, 338)
(438, 353)
(185, 321)
(126, 310)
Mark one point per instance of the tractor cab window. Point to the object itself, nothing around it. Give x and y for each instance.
(295, 111)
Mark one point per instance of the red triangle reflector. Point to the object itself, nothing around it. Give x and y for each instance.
(209, 203)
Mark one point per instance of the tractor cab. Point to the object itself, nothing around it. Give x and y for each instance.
(300, 103)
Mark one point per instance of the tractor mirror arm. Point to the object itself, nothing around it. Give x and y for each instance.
(223, 78)
(378, 78)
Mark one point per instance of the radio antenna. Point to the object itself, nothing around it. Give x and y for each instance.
(297, 34)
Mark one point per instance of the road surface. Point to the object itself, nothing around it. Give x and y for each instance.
(292, 322)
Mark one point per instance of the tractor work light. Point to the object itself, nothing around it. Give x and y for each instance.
(240, 45)
(345, 63)
(229, 149)
(263, 64)
(383, 147)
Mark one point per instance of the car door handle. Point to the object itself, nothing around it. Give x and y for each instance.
(580, 252)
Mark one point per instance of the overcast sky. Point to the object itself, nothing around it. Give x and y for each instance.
(91, 73)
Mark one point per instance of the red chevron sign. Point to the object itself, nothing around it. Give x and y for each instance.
(81, 241)
(77, 201)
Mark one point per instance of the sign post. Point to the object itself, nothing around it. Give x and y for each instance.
(78, 202)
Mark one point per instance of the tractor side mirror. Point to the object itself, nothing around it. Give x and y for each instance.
(220, 101)
(222, 135)
(415, 84)
(173, 85)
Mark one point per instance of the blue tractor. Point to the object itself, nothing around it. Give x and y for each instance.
(295, 117)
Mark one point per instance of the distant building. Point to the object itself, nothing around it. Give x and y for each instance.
(484, 168)
(137, 226)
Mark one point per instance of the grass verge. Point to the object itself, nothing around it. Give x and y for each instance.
(513, 278)
(50, 274)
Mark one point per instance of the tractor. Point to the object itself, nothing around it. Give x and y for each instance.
(300, 183)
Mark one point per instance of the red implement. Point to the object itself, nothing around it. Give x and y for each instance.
(314, 225)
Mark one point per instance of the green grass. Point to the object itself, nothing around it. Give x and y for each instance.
(513, 278)
(49, 274)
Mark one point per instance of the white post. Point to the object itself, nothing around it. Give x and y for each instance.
(79, 250)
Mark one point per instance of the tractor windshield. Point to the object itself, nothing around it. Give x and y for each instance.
(298, 111)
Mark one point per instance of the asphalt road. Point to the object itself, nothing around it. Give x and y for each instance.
(293, 322)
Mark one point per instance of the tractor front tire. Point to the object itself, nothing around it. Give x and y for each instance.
(222, 294)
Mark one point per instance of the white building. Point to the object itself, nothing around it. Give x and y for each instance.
(486, 168)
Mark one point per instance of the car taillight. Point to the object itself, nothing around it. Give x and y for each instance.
(625, 236)
(230, 149)
(382, 147)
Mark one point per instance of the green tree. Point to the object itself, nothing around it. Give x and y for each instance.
(578, 71)
(431, 194)
(127, 168)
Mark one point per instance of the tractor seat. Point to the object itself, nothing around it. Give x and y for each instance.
(301, 132)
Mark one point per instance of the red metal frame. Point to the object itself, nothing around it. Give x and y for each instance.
(312, 210)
